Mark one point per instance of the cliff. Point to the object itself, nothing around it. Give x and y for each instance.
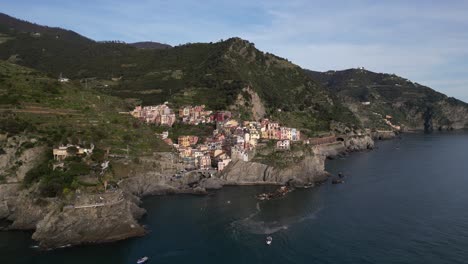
(93, 216)
(307, 172)
(372, 96)
(19, 154)
(305, 168)
(94, 221)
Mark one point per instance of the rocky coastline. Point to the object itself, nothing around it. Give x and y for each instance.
(113, 215)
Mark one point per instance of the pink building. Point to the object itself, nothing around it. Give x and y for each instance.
(221, 116)
(159, 114)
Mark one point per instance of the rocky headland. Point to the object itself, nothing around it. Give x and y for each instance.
(113, 215)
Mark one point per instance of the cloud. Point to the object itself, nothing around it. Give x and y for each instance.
(414, 40)
(425, 41)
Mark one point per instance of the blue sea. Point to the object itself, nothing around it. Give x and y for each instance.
(404, 202)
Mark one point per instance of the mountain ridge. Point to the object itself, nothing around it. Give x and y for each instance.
(216, 74)
(411, 104)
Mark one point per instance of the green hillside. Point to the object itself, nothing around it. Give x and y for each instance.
(411, 104)
(213, 74)
(68, 113)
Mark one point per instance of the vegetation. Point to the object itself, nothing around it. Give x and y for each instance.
(281, 158)
(213, 74)
(388, 94)
(68, 113)
(57, 114)
(203, 130)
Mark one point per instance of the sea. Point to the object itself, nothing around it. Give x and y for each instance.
(404, 202)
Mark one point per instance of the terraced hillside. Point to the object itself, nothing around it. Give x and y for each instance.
(413, 105)
(55, 112)
(229, 74)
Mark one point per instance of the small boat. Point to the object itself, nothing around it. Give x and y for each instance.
(269, 239)
(142, 260)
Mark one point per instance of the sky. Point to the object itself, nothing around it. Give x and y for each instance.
(424, 41)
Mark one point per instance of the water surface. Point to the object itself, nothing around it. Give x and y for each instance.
(405, 202)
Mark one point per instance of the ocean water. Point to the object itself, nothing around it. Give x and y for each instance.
(405, 202)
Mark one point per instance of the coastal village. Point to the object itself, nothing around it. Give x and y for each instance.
(231, 139)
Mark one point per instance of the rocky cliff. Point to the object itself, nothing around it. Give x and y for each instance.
(86, 218)
(109, 219)
(18, 154)
(113, 215)
(310, 170)
(372, 96)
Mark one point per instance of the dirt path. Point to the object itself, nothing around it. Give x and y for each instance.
(41, 110)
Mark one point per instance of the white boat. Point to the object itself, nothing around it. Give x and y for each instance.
(142, 260)
(269, 239)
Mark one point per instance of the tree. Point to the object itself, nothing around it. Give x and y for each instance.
(72, 151)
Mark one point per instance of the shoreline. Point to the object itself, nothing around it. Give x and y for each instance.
(120, 220)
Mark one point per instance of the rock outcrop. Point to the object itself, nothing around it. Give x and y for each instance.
(110, 220)
(18, 155)
(21, 208)
(358, 143)
(310, 170)
(93, 218)
(383, 135)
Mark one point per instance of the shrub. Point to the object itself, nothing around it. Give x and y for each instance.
(36, 173)
(72, 150)
(98, 155)
(54, 183)
(77, 169)
(27, 145)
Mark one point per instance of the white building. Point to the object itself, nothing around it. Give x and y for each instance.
(283, 144)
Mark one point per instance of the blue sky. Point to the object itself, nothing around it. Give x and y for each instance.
(425, 41)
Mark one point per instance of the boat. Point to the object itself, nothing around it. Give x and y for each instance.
(269, 239)
(142, 260)
(280, 192)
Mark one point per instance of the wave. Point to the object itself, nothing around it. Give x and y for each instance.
(258, 227)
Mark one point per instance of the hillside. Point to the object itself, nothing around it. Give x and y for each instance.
(60, 113)
(150, 45)
(230, 74)
(11, 25)
(413, 105)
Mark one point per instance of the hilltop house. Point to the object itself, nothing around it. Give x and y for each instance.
(69, 150)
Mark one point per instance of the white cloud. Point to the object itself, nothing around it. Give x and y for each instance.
(424, 41)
